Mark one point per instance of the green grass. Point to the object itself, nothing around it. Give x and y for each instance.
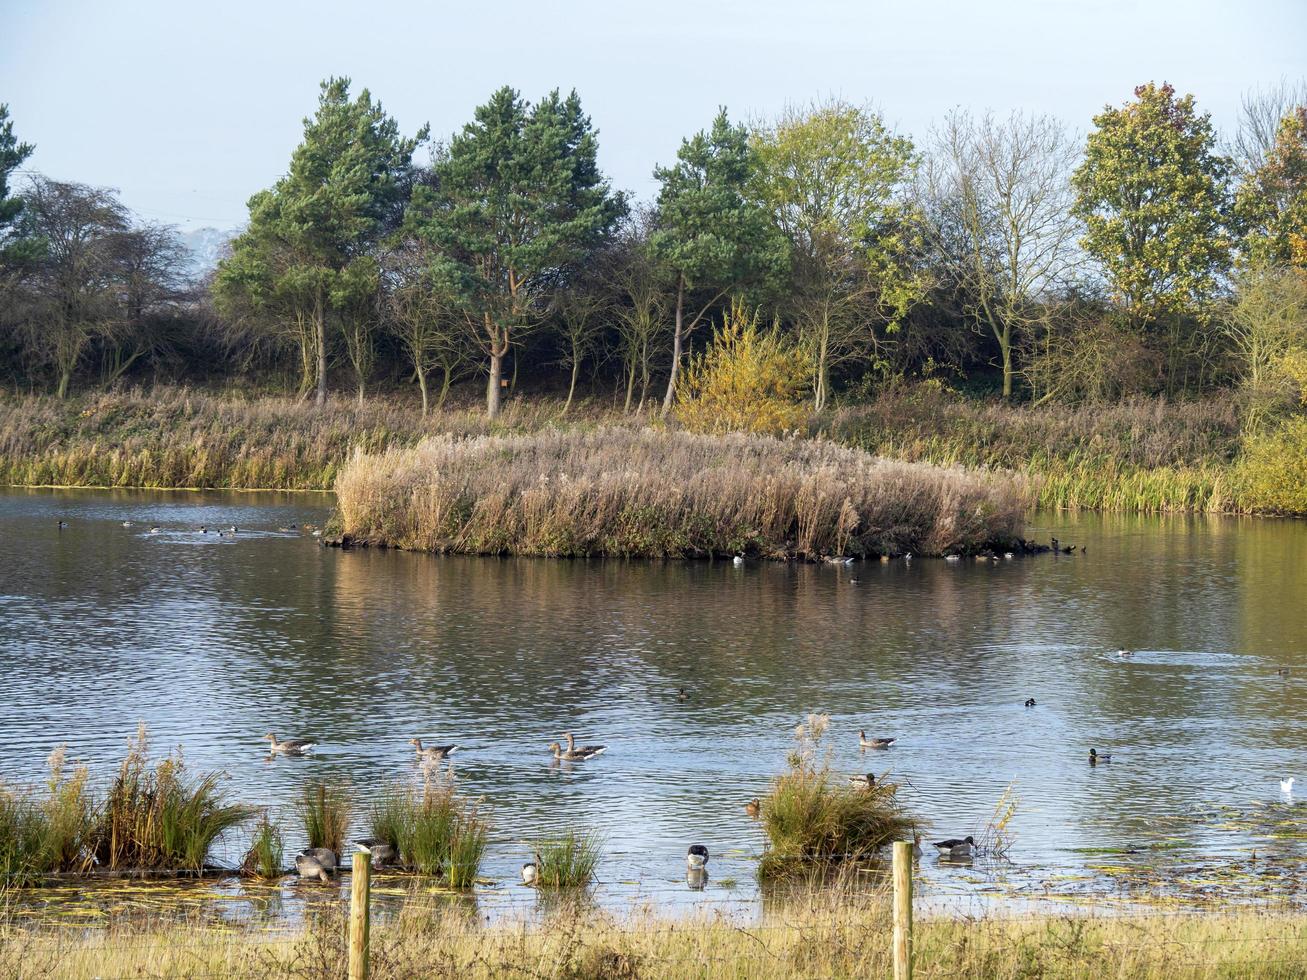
(266, 856)
(568, 861)
(436, 830)
(324, 806)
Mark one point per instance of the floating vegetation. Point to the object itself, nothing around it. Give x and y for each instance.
(810, 817)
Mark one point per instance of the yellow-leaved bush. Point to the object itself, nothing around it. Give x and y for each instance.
(749, 380)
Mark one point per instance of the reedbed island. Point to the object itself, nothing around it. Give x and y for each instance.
(814, 549)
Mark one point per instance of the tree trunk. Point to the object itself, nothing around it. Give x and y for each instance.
(422, 384)
(1005, 345)
(492, 385)
(65, 375)
(823, 370)
(320, 329)
(576, 369)
(676, 345)
(444, 387)
(630, 387)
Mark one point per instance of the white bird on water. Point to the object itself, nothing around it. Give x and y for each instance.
(1286, 785)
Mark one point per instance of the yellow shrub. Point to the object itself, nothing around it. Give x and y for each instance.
(1272, 472)
(749, 380)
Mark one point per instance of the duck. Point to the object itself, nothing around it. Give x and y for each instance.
(1283, 672)
(1095, 757)
(129, 523)
(1030, 702)
(753, 807)
(203, 529)
(233, 529)
(952, 557)
(839, 560)
(863, 782)
(1008, 556)
(1286, 785)
(907, 556)
(382, 852)
(575, 752)
(680, 693)
(955, 847)
(737, 561)
(696, 857)
(155, 529)
(292, 746)
(874, 743)
(431, 751)
(1125, 653)
(531, 871)
(62, 525)
(288, 529)
(316, 862)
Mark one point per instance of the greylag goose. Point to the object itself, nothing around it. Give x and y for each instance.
(292, 746)
(316, 862)
(433, 752)
(874, 743)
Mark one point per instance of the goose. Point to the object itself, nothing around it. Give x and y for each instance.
(316, 862)
(753, 808)
(696, 857)
(737, 561)
(955, 847)
(874, 743)
(531, 871)
(573, 752)
(431, 751)
(696, 878)
(1286, 785)
(863, 782)
(292, 746)
(916, 845)
(382, 852)
(1095, 757)
(1030, 702)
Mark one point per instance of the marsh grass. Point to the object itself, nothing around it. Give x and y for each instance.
(45, 832)
(266, 856)
(435, 829)
(815, 821)
(818, 938)
(998, 838)
(656, 493)
(569, 861)
(325, 806)
(159, 816)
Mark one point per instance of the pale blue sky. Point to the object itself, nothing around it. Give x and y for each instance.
(188, 107)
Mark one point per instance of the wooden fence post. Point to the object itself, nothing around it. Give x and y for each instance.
(360, 887)
(902, 910)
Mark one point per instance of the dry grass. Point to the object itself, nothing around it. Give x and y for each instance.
(668, 494)
(815, 939)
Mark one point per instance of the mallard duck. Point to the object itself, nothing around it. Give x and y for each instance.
(696, 857)
(1030, 702)
(292, 746)
(316, 862)
(874, 743)
(1286, 785)
(1095, 757)
(955, 847)
(753, 807)
(431, 751)
(380, 851)
(863, 782)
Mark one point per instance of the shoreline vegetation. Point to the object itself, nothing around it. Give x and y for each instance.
(1146, 455)
(826, 936)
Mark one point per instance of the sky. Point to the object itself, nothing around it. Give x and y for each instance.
(188, 108)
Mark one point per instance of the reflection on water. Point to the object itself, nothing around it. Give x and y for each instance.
(215, 641)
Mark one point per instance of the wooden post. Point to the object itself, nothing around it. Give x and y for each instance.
(360, 886)
(902, 910)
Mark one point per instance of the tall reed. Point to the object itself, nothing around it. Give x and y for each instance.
(324, 807)
(435, 830)
(266, 856)
(569, 861)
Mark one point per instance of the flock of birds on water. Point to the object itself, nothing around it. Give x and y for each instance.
(320, 862)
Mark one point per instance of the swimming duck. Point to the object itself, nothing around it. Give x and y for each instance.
(1286, 785)
(1007, 555)
(874, 743)
(233, 529)
(287, 529)
(431, 751)
(316, 862)
(62, 525)
(696, 857)
(203, 529)
(737, 561)
(952, 557)
(753, 808)
(1030, 702)
(1125, 653)
(1095, 757)
(1283, 672)
(531, 871)
(129, 523)
(292, 746)
(955, 847)
(839, 560)
(681, 694)
(155, 529)
(863, 782)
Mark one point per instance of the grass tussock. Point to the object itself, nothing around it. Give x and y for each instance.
(569, 861)
(843, 939)
(324, 807)
(46, 832)
(434, 829)
(160, 816)
(266, 857)
(814, 820)
(650, 493)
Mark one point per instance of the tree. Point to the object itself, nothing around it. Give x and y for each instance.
(635, 275)
(518, 202)
(1000, 225)
(582, 310)
(150, 260)
(1272, 199)
(12, 155)
(708, 232)
(309, 249)
(833, 178)
(1154, 197)
(1261, 112)
(423, 319)
(72, 289)
(1267, 330)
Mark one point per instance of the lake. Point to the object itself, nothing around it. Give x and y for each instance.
(214, 641)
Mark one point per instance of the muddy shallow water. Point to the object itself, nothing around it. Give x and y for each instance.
(214, 641)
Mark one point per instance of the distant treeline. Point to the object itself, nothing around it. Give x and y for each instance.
(1001, 253)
